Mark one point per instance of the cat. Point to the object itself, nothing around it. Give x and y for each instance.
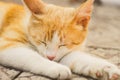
(48, 40)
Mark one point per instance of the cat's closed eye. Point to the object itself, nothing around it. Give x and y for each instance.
(62, 45)
(75, 43)
(44, 43)
(72, 43)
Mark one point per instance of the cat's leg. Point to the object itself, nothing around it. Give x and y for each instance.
(26, 59)
(85, 64)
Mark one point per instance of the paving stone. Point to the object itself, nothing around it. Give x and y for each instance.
(29, 76)
(7, 73)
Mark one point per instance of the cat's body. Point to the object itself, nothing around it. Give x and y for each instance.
(34, 38)
(11, 25)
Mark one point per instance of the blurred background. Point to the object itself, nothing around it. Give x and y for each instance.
(105, 23)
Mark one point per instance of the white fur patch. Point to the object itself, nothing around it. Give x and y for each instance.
(82, 63)
(26, 59)
(52, 47)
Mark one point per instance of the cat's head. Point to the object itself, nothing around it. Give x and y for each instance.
(55, 30)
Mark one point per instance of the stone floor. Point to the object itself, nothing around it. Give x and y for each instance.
(103, 41)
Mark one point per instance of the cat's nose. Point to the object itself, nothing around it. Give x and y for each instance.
(51, 57)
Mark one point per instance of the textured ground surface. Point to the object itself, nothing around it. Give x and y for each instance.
(103, 40)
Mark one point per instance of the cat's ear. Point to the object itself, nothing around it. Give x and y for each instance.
(35, 6)
(83, 13)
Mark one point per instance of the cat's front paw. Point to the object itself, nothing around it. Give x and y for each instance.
(109, 73)
(59, 72)
(101, 71)
(53, 70)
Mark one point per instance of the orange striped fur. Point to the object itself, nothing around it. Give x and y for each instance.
(11, 29)
(69, 23)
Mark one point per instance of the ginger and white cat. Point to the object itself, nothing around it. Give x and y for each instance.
(47, 40)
